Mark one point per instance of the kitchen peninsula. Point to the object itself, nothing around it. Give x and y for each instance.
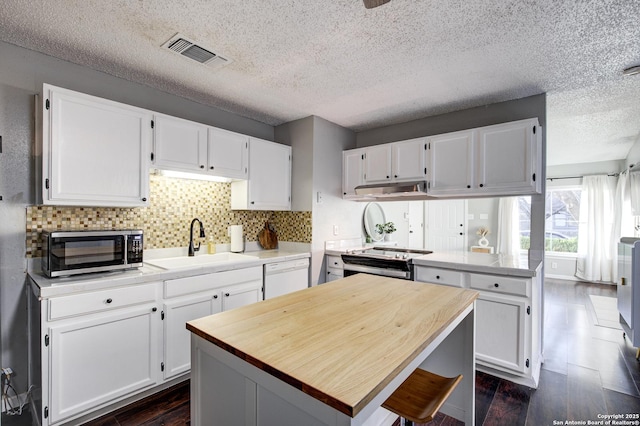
(331, 354)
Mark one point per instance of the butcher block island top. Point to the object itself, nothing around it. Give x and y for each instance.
(340, 342)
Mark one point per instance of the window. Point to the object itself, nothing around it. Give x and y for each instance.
(562, 217)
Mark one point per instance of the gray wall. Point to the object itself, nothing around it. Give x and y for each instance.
(22, 73)
(519, 109)
(317, 145)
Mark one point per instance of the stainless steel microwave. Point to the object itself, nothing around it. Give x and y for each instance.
(81, 252)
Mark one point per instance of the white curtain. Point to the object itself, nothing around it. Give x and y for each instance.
(508, 226)
(596, 246)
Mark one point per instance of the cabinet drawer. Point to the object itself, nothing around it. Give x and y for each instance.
(498, 284)
(188, 285)
(97, 301)
(335, 262)
(440, 276)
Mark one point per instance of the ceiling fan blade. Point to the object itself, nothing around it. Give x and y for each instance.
(370, 4)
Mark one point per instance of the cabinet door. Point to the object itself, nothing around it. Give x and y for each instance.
(451, 163)
(95, 151)
(352, 171)
(241, 295)
(228, 154)
(377, 164)
(96, 361)
(501, 332)
(409, 160)
(176, 313)
(507, 158)
(269, 184)
(180, 144)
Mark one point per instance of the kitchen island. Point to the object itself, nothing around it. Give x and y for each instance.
(331, 354)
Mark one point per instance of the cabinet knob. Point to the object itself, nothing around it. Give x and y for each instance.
(461, 233)
(437, 277)
(202, 166)
(226, 294)
(211, 167)
(468, 186)
(215, 296)
(496, 285)
(328, 272)
(144, 199)
(154, 309)
(387, 176)
(109, 300)
(395, 176)
(253, 202)
(481, 185)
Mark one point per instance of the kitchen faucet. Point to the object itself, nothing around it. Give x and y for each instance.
(193, 249)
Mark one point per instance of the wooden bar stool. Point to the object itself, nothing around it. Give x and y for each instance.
(420, 397)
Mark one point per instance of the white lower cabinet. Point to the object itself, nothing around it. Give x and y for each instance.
(176, 313)
(508, 320)
(198, 296)
(501, 332)
(98, 360)
(335, 268)
(95, 348)
(92, 350)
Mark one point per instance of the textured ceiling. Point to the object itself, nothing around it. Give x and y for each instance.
(366, 68)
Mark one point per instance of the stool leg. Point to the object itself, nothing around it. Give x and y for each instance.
(408, 422)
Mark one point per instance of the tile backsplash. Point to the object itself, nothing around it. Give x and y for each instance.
(173, 203)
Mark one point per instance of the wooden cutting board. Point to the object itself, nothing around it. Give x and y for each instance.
(267, 237)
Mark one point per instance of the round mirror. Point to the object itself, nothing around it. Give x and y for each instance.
(373, 215)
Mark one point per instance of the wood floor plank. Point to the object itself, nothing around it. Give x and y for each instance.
(585, 399)
(486, 386)
(510, 405)
(549, 401)
(618, 403)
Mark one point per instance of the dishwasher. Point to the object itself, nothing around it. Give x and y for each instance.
(284, 277)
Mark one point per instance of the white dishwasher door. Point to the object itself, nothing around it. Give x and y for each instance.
(284, 277)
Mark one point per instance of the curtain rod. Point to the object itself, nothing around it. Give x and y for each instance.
(580, 177)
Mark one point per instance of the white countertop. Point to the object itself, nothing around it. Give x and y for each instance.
(465, 261)
(479, 262)
(44, 287)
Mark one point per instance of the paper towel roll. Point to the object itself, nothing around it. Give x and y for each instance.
(237, 242)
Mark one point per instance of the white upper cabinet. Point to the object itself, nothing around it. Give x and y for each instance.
(95, 152)
(188, 146)
(228, 154)
(504, 159)
(269, 183)
(352, 171)
(179, 144)
(508, 157)
(409, 160)
(377, 164)
(451, 164)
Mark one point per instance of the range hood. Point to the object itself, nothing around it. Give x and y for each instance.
(393, 190)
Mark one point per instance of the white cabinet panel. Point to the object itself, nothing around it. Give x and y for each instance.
(501, 331)
(99, 360)
(95, 152)
(377, 164)
(269, 184)
(176, 313)
(352, 171)
(409, 160)
(508, 156)
(241, 295)
(451, 165)
(228, 154)
(179, 144)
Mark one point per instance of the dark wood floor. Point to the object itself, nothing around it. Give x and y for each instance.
(589, 371)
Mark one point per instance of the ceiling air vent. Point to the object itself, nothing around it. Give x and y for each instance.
(188, 48)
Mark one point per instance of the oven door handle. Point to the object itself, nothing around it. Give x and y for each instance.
(386, 272)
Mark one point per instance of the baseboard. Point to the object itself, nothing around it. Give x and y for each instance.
(562, 277)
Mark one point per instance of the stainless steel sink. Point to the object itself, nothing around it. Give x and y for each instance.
(202, 260)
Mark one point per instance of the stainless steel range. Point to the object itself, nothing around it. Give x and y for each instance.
(385, 261)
